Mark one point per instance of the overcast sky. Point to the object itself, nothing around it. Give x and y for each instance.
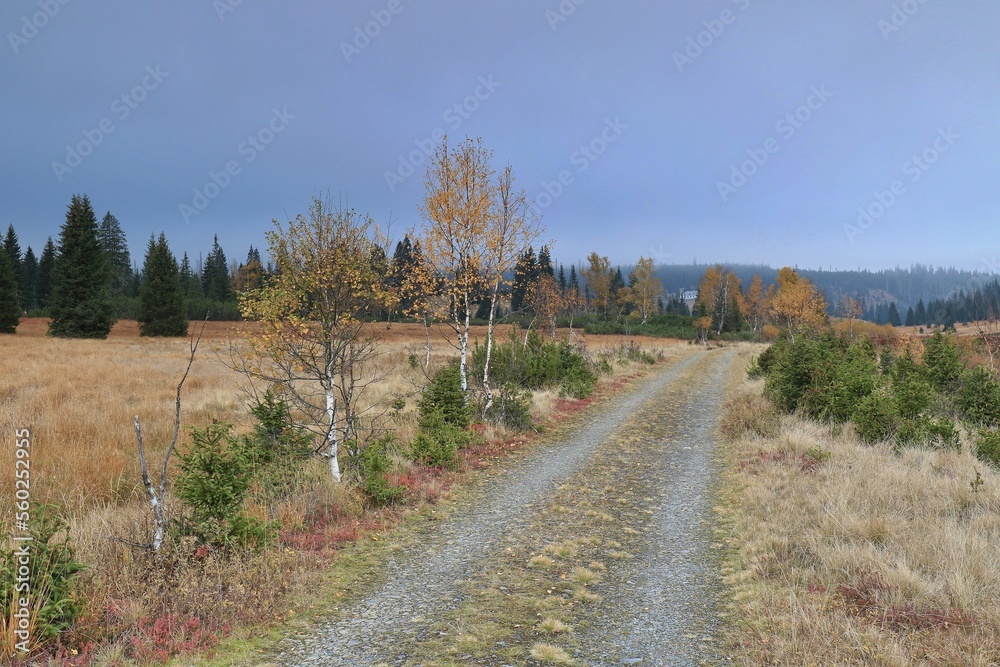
(730, 130)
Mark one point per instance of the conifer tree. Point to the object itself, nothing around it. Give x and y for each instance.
(115, 247)
(30, 271)
(45, 264)
(161, 311)
(12, 247)
(215, 274)
(545, 263)
(189, 279)
(525, 274)
(10, 313)
(80, 303)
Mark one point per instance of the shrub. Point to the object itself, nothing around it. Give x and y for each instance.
(374, 463)
(925, 431)
(943, 361)
(875, 417)
(53, 574)
(214, 479)
(511, 408)
(276, 449)
(988, 446)
(978, 397)
(444, 399)
(537, 364)
(438, 441)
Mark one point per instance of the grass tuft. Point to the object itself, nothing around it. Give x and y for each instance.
(550, 655)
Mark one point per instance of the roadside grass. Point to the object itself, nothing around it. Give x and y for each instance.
(842, 553)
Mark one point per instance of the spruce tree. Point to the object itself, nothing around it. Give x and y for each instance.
(115, 247)
(161, 309)
(10, 313)
(189, 279)
(80, 303)
(215, 274)
(12, 247)
(574, 283)
(30, 270)
(545, 262)
(45, 264)
(525, 274)
(562, 280)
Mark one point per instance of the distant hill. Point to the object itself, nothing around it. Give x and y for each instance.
(905, 287)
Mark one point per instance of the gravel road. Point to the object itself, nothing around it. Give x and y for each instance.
(663, 600)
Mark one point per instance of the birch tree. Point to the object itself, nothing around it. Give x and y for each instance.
(598, 276)
(645, 288)
(477, 222)
(512, 227)
(457, 208)
(314, 340)
(796, 304)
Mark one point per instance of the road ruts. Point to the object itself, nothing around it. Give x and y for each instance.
(667, 601)
(426, 580)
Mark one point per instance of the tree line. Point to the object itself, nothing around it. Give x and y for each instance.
(87, 280)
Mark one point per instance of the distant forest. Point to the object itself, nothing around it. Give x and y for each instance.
(936, 295)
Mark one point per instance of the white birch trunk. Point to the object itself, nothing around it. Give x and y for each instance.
(331, 413)
(489, 352)
(463, 342)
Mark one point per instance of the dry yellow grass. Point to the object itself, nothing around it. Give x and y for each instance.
(79, 398)
(847, 554)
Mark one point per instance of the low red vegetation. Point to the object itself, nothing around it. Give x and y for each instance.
(805, 462)
(867, 599)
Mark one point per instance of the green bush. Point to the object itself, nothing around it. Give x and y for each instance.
(276, 449)
(511, 408)
(875, 418)
(943, 361)
(925, 431)
(215, 476)
(443, 398)
(978, 397)
(53, 573)
(843, 377)
(438, 441)
(374, 463)
(988, 446)
(536, 364)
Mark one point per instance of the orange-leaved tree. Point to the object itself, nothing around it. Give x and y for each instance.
(796, 304)
(476, 223)
(314, 340)
(645, 289)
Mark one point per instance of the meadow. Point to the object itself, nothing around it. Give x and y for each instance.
(844, 552)
(79, 399)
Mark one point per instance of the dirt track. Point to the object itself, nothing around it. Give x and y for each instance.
(629, 492)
